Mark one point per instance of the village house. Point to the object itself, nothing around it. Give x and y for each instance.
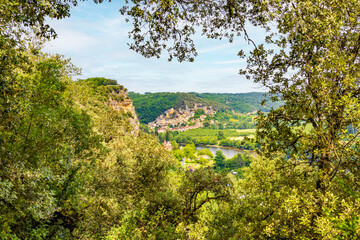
(167, 145)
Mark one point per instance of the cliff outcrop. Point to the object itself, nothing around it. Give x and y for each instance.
(110, 93)
(120, 101)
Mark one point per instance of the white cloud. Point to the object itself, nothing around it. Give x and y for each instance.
(96, 37)
(70, 41)
(214, 48)
(230, 61)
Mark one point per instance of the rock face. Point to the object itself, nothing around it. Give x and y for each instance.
(120, 101)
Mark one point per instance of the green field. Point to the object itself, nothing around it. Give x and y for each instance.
(213, 133)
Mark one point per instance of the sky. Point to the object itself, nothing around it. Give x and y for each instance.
(95, 37)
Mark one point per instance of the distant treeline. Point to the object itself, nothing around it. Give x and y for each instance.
(241, 102)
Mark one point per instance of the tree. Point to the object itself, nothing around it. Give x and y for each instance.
(220, 135)
(303, 185)
(155, 23)
(206, 124)
(127, 187)
(46, 142)
(174, 145)
(311, 63)
(168, 136)
(189, 151)
(199, 188)
(219, 160)
(70, 166)
(207, 152)
(238, 161)
(316, 73)
(178, 154)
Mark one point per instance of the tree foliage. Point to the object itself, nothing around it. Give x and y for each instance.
(72, 168)
(157, 23)
(45, 142)
(242, 102)
(320, 42)
(219, 160)
(310, 61)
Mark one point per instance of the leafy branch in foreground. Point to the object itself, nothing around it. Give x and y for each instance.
(169, 25)
(310, 61)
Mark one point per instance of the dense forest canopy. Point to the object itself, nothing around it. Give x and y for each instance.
(70, 166)
(242, 102)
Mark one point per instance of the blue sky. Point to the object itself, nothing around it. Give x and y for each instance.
(95, 37)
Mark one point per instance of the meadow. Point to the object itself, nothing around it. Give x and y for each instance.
(213, 133)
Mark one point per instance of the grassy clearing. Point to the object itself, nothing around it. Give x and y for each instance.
(197, 165)
(253, 130)
(237, 138)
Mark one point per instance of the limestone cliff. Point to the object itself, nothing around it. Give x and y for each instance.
(120, 101)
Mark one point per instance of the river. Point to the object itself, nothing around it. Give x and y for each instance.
(229, 153)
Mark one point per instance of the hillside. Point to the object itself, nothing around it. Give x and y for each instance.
(115, 96)
(240, 102)
(151, 105)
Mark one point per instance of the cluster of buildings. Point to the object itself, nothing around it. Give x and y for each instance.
(167, 145)
(179, 120)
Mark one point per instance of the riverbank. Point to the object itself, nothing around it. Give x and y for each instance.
(218, 146)
(229, 152)
(252, 152)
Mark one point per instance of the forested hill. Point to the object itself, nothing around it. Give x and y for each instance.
(240, 102)
(150, 105)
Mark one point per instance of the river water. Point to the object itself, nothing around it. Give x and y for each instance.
(229, 153)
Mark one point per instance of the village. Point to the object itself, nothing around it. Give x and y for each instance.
(182, 119)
